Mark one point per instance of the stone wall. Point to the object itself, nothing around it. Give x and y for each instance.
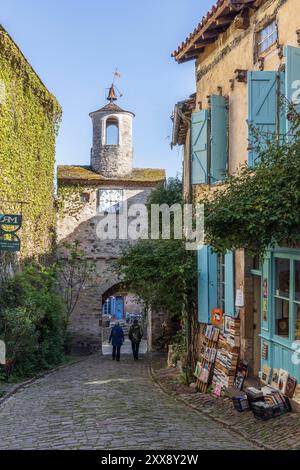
(79, 221)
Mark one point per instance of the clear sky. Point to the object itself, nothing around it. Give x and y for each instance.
(75, 46)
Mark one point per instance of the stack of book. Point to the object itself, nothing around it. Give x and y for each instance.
(212, 333)
(232, 331)
(221, 378)
(226, 363)
(209, 354)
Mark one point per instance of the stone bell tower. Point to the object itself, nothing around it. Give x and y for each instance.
(112, 151)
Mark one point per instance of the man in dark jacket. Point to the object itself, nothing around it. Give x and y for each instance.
(117, 339)
(135, 336)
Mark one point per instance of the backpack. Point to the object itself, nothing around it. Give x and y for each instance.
(136, 334)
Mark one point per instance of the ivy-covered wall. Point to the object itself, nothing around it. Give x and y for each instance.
(29, 121)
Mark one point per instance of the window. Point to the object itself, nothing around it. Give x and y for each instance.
(267, 37)
(297, 300)
(282, 297)
(107, 307)
(84, 198)
(287, 298)
(112, 132)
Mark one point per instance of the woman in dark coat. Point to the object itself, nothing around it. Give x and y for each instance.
(117, 339)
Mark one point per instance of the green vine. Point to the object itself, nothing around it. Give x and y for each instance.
(69, 199)
(29, 118)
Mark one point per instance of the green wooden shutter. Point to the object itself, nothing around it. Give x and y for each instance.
(292, 79)
(229, 284)
(219, 138)
(263, 102)
(199, 143)
(207, 283)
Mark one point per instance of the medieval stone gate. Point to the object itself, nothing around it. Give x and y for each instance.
(89, 194)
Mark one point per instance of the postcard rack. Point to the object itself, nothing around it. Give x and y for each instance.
(207, 358)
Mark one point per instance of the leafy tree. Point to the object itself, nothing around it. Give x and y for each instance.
(162, 272)
(259, 207)
(76, 274)
(32, 320)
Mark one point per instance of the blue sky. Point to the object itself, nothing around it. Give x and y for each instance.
(75, 46)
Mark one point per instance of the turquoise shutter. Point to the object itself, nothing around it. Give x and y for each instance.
(229, 284)
(203, 306)
(219, 138)
(207, 283)
(292, 81)
(199, 147)
(213, 281)
(263, 103)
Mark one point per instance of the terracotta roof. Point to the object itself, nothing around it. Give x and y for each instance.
(85, 175)
(181, 119)
(111, 107)
(216, 21)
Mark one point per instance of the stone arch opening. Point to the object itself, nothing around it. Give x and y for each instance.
(121, 305)
(112, 131)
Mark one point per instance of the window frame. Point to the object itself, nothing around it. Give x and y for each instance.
(112, 121)
(259, 42)
(291, 298)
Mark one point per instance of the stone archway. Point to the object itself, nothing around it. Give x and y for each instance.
(121, 305)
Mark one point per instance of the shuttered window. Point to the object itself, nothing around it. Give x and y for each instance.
(207, 283)
(292, 80)
(229, 284)
(219, 138)
(199, 147)
(263, 102)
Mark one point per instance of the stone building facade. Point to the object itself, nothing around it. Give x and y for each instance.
(109, 188)
(242, 50)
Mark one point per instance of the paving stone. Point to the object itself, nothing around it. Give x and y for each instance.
(98, 404)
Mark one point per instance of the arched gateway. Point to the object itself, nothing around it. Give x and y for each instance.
(88, 195)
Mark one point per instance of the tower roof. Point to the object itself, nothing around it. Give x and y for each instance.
(111, 107)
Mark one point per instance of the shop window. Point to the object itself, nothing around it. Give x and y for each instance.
(282, 297)
(267, 37)
(112, 132)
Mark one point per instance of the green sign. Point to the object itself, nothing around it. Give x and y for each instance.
(9, 241)
(10, 245)
(10, 219)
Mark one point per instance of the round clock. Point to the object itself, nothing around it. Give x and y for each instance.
(110, 200)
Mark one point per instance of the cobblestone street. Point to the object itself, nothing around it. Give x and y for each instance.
(100, 404)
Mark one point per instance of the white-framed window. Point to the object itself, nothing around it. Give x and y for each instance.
(267, 37)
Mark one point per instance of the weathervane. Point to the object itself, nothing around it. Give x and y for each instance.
(112, 96)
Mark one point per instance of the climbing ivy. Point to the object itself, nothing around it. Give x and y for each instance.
(29, 123)
(260, 207)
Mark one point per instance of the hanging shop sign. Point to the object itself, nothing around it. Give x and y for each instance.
(10, 224)
(11, 220)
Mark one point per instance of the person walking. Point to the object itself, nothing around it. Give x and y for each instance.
(117, 339)
(135, 336)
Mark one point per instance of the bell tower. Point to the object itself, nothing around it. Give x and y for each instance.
(112, 151)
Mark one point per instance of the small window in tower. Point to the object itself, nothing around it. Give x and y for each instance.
(112, 132)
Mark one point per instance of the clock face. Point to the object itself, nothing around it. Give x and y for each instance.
(110, 200)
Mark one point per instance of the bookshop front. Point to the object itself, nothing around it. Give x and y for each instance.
(280, 314)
